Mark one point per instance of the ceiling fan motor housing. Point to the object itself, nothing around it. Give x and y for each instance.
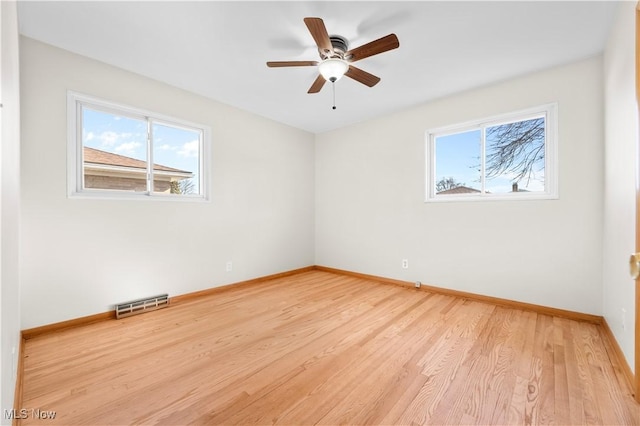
(340, 45)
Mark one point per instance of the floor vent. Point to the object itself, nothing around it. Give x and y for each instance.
(142, 305)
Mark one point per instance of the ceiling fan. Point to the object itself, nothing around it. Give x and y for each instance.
(336, 57)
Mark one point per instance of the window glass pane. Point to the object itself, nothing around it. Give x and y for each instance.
(515, 157)
(457, 163)
(176, 157)
(114, 151)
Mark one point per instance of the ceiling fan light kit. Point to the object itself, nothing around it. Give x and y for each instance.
(333, 69)
(336, 57)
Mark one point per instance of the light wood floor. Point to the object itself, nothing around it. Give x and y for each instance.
(330, 349)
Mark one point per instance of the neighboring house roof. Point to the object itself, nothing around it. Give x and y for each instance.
(458, 190)
(96, 156)
(466, 190)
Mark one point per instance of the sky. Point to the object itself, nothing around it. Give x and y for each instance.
(458, 156)
(172, 146)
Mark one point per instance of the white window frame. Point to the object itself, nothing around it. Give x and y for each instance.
(75, 160)
(548, 111)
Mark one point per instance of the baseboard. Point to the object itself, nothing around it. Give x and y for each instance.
(545, 310)
(618, 360)
(63, 325)
(104, 316)
(111, 315)
(215, 290)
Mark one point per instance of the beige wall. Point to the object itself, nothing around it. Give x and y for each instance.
(81, 256)
(371, 214)
(619, 179)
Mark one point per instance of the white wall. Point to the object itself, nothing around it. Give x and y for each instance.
(79, 257)
(370, 212)
(621, 136)
(9, 205)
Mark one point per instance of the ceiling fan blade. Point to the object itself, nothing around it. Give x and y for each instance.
(380, 45)
(362, 76)
(319, 33)
(317, 85)
(275, 64)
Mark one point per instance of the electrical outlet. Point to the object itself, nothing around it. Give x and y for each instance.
(405, 263)
(229, 266)
(418, 284)
(624, 318)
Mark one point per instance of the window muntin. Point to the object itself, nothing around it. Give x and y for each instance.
(119, 151)
(506, 157)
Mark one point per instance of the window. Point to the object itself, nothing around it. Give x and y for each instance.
(123, 152)
(508, 157)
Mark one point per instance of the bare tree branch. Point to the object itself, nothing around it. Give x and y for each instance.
(447, 183)
(516, 148)
(185, 186)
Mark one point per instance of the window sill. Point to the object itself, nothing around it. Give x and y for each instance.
(139, 196)
(506, 197)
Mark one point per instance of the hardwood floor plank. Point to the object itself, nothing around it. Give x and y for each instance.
(543, 351)
(561, 383)
(590, 406)
(320, 347)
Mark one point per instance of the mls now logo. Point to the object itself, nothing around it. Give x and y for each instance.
(24, 413)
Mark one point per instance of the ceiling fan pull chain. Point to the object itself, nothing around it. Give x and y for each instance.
(333, 85)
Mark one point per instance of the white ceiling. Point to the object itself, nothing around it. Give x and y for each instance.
(219, 49)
